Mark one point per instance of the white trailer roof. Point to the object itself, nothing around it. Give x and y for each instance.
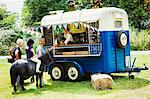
(105, 15)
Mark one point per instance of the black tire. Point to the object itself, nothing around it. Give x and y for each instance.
(121, 43)
(59, 69)
(76, 76)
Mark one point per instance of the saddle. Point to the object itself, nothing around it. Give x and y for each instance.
(30, 62)
(32, 65)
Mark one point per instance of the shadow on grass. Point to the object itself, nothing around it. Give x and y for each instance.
(123, 82)
(27, 83)
(84, 87)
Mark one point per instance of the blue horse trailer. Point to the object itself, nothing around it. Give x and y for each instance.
(101, 42)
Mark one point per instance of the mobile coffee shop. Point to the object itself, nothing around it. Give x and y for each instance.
(102, 43)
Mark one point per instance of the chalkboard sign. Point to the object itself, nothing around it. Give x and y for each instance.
(48, 36)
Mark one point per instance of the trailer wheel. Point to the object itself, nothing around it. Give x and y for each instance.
(121, 39)
(57, 72)
(73, 73)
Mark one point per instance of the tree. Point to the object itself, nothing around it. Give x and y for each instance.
(2, 11)
(7, 19)
(84, 4)
(34, 10)
(8, 34)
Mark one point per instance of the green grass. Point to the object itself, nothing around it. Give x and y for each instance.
(123, 87)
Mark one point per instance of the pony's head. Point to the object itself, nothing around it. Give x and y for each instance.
(47, 58)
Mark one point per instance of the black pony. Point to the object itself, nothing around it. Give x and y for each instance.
(25, 69)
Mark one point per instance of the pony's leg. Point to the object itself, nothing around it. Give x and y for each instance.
(15, 89)
(37, 76)
(40, 77)
(21, 83)
(18, 80)
(13, 80)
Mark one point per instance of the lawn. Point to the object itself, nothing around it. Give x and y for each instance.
(124, 87)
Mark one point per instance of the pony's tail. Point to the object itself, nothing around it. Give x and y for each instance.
(13, 75)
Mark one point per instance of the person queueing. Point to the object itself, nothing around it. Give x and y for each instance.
(40, 50)
(31, 55)
(16, 51)
(16, 55)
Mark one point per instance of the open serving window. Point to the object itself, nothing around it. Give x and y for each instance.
(85, 35)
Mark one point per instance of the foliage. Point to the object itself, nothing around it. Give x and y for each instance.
(8, 39)
(10, 31)
(140, 41)
(84, 4)
(34, 10)
(7, 34)
(2, 12)
(7, 19)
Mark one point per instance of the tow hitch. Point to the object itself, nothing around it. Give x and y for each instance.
(135, 69)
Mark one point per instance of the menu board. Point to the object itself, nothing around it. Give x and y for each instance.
(48, 36)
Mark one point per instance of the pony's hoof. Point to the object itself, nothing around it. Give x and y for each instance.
(23, 89)
(36, 85)
(15, 90)
(13, 93)
(41, 86)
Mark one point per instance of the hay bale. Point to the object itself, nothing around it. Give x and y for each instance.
(101, 81)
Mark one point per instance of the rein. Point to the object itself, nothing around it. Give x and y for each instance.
(49, 51)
